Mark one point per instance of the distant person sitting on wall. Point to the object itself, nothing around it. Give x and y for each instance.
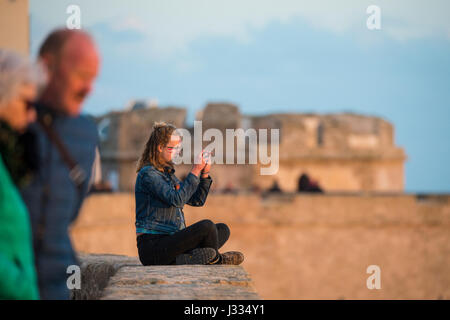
(255, 188)
(229, 188)
(101, 187)
(275, 188)
(305, 184)
(162, 236)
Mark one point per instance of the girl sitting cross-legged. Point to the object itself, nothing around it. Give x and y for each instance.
(162, 236)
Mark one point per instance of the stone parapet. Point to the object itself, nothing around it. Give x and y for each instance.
(115, 277)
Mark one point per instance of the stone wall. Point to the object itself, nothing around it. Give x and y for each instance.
(115, 277)
(14, 15)
(308, 246)
(337, 175)
(343, 151)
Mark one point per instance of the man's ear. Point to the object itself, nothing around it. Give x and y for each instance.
(160, 148)
(49, 63)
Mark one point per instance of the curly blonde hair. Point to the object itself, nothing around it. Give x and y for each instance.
(160, 136)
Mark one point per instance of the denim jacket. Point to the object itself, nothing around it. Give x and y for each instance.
(159, 202)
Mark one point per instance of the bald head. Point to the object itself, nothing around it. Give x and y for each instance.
(72, 62)
(56, 41)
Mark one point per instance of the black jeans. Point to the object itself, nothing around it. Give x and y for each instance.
(161, 249)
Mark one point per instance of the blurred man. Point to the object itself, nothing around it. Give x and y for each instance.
(67, 143)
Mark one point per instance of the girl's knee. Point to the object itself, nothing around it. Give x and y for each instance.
(222, 227)
(208, 224)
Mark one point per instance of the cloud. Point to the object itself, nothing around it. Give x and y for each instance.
(170, 26)
(130, 23)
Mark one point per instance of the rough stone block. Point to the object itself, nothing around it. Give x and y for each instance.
(114, 277)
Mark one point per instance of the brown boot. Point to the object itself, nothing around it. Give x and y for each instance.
(232, 257)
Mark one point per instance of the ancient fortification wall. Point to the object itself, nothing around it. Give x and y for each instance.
(308, 246)
(343, 151)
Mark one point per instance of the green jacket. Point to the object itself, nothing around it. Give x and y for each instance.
(17, 271)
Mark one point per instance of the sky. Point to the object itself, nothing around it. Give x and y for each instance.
(271, 56)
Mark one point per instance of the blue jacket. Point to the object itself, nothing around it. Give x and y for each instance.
(53, 200)
(159, 203)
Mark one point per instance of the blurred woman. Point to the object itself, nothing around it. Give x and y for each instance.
(162, 236)
(18, 88)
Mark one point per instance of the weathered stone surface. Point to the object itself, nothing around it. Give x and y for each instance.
(113, 277)
(96, 270)
(180, 282)
(221, 116)
(308, 246)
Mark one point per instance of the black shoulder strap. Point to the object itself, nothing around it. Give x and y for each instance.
(77, 174)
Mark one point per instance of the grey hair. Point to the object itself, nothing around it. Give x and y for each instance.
(16, 70)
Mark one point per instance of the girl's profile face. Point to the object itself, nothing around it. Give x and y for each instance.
(171, 149)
